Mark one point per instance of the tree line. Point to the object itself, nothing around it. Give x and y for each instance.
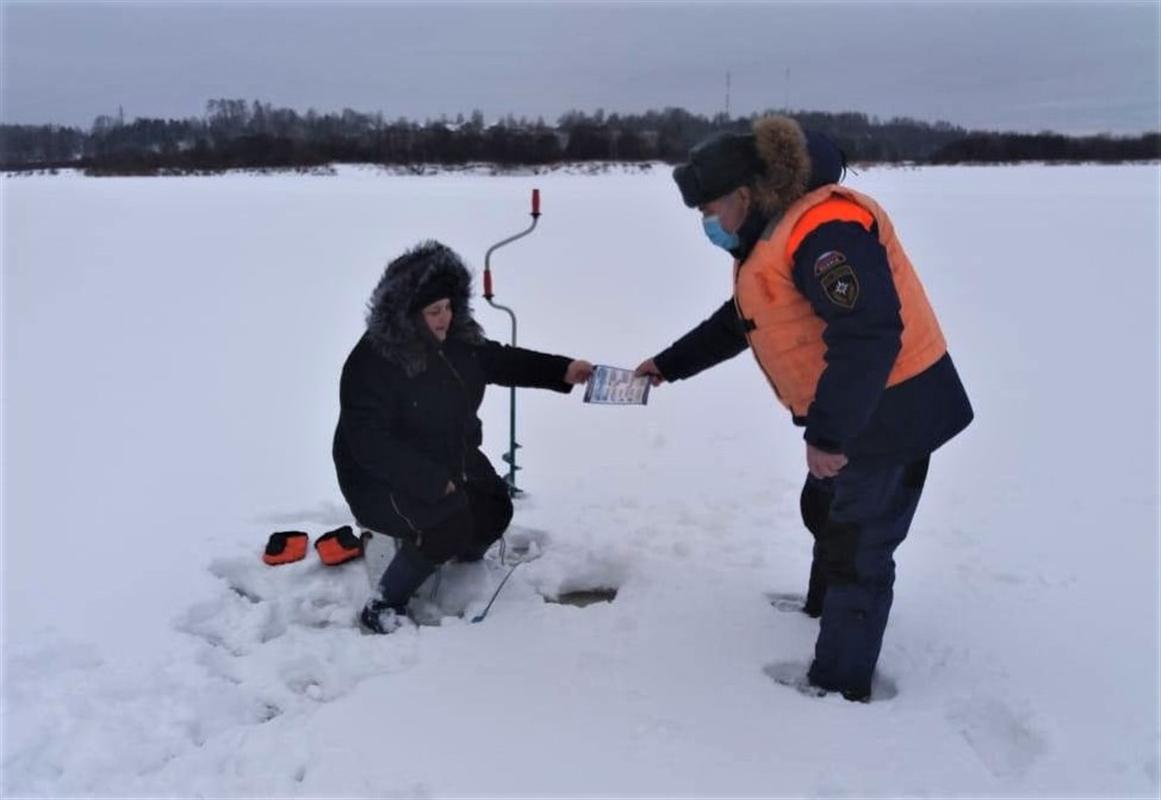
(235, 134)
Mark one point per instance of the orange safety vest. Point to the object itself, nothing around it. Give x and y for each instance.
(786, 335)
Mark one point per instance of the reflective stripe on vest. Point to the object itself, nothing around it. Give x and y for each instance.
(784, 332)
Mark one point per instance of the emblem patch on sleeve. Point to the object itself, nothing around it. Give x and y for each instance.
(841, 286)
(828, 261)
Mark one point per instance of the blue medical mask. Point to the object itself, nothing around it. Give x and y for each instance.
(719, 235)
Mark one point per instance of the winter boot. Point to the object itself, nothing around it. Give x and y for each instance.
(855, 695)
(378, 617)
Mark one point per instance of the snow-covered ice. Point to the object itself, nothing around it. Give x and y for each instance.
(170, 370)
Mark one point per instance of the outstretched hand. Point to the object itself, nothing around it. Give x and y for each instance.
(578, 371)
(648, 369)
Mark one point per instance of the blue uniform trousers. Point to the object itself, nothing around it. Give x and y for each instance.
(870, 511)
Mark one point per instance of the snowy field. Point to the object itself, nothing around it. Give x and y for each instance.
(171, 353)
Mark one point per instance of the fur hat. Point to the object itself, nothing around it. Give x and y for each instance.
(394, 327)
(777, 159)
(781, 146)
(716, 167)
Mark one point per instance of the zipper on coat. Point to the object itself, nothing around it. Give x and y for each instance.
(418, 533)
(463, 443)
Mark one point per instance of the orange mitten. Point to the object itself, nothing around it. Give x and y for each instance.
(285, 547)
(338, 546)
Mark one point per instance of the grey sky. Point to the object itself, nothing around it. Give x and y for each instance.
(1072, 67)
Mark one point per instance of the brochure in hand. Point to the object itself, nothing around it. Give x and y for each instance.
(615, 386)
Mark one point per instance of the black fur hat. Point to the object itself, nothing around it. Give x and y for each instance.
(778, 159)
(716, 167)
(393, 325)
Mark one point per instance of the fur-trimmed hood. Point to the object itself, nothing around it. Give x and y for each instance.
(396, 329)
(795, 161)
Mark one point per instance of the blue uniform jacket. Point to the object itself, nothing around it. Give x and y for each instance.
(853, 412)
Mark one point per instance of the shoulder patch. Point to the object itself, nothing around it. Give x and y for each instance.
(828, 261)
(841, 286)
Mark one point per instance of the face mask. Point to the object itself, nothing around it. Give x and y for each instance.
(719, 235)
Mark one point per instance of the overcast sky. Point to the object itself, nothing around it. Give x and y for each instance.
(1028, 66)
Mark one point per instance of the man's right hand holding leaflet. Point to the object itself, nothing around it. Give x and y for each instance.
(648, 369)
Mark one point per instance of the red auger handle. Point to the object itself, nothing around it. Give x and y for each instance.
(487, 284)
(536, 202)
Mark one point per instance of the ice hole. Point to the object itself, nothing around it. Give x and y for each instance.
(584, 597)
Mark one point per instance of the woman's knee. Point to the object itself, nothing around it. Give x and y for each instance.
(491, 514)
(447, 539)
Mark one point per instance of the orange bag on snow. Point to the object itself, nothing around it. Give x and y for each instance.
(338, 546)
(285, 547)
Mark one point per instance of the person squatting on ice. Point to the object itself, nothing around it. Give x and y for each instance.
(833, 310)
(407, 444)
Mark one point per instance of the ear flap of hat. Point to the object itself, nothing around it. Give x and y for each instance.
(685, 176)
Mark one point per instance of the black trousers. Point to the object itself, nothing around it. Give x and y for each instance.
(466, 535)
(471, 531)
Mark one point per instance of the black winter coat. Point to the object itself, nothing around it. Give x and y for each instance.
(401, 439)
(408, 421)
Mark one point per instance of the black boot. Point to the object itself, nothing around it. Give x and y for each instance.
(378, 617)
(406, 573)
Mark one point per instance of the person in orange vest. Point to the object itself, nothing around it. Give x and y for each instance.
(827, 300)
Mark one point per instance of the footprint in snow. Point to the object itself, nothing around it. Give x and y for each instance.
(1007, 742)
(787, 602)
